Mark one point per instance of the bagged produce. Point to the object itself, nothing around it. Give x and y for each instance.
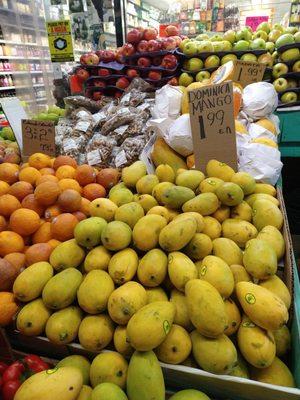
(179, 135)
(259, 100)
(167, 102)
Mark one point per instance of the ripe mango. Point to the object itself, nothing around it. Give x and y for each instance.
(95, 332)
(175, 196)
(262, 306)
(146, 201)
(67, 255)
(239, 273)
(123, 265)
(177, 234)
(222, 213)
(60, 291)
(279, 288)
(131, 174)
(145, 378)
(97, 258)
(109, 367)
(228, 250)
(265, 188)
(215, 271)
(206, 308)
(199, 219)
(230, 194)
(156, 294)
(121, 196)
(109, 391)
(181, 269)
(242, 211)
(189, 394)
(126, 301)
(261, 196)
(62, 327)
(181, 309)
(239, 231)
(199, 247)
(163, 154)
(129, 213)
(218, 356)
(116, 236)
(165, 173)
(276, 374)
(210, 185)
(121, 342)
(146, 231)
(176, 347)
(103, 208)
(159, 189)
(152, 268)
(260, 259)
(79, 362)
(233, 316)
(30, 283)
(150, 325)
(190, 179)
(241, 369)
(32, 318)
(274, 238)
(204, 204)
(88, 231)
(282, 340)
(217, 169)
(256, 344)
(160, 210)
(85, 393)
(212, 227)
(266, 213)
(245, 181)
(58, 383)
(94, 291)
(146, 184)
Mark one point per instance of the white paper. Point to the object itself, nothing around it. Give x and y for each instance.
(259, 100)
(14, 112)
(145, 156)
(179, 135)
(167, 102)
(93, 157)
(82, 126)
(120, 159)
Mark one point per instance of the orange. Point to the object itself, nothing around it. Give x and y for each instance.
(69, 200)
(4, 187)
(52, 212)
(62, 226)
(54, 243)
(47, 193)
(85, 206)
(31, 203)
(38, 252)
(21, 189)
(29, 174)
(43, 234)
(39, 161)
(3, 223)
(64, 160)
(69, 184)
(17, 260)
(46, 178)
(24, 221)
(8, 204)
(10, 242)
(93, 191)
(47, 171)
(79, 215)
(65, 172)
(8, 308)
(85, 174)
(9, 173)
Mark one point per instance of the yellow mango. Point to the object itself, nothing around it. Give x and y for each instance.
(146, 184)
(260, 259)
(176, 347)
(121, 196)
(212, 227)
(282, 340)
(97, 258)
(242, 211)
(177, 234)
(121, 343)
(160, 210)
(131, 174)
(233, 316)
(32, 318)
(228, 250)
(204, 204)
(245, 181)
(241, 369)
(198, 217)
(190, 179)
(109, 367)
(152, 268)
(146, 231)
(123, 265)
(163, 154)
(239, 273)
(165, 173)
(159, 189)
(129, 213)
(62, 327)
(239, 231)
(181, 269)
(217, 169)
(210, 185)
(95, 332)
(175, 196)
(199, 247)
(222, 213)
(156, 294)
(274, 238)
(265, 188)
(116, 236)
(266, 213)
(103, 208)
(261, 196)
(146, 201)
(276, 374)
(181, 313)
(278, 287)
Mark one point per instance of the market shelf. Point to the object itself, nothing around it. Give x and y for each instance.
(7, 88)
(25, 57)
(24, 72)
(2, 41)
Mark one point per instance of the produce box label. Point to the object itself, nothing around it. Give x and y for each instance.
(246, 72)
(212, 124)
(38, 137)
(60, 41)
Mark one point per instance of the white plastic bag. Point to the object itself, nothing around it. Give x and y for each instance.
(179, 135)
(259, 100)
(167, 102)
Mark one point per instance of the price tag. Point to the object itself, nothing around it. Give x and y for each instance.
(246, 72)
(212, 124)
(38, 137)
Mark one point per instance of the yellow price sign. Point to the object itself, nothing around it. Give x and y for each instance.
(60, 41)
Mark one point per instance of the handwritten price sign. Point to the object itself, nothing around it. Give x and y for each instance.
(38, 137)
(212, 124)
(246, 72)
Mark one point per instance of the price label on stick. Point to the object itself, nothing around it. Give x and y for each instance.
(212, 124)
(38, 137)
(246, 72)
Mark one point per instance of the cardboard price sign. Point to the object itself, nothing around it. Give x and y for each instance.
(212, 124)
(38, 137)
(246, 72)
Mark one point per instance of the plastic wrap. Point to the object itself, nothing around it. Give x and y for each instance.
(259, 100)
(179, 135)
(167, 102)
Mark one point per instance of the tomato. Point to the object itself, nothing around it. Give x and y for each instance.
(9, 389)
(35, 363)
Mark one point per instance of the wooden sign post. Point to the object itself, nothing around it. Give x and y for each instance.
(246, 72)
(38, 137)
(212, 124)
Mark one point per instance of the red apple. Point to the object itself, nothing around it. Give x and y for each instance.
(99, 54)
(90, 59)
(119, 55)
(153, 45)
(144, 62)
(150, 33)
(142, 47)
(122, 83)
(156, 61)
(98, 83)
(82, 74)
(118, 95)
(103, 72)
(172, 30)
(132, 73)
(108, 56)
(97, 96)
(154, 75)
(169, 61)
(134, 36)
(173, 81)
(178, 40)
(169, 43)
(128, 50)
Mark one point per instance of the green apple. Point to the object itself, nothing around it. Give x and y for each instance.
(217, 46)
(279, 69)
(216, 38)
(296, 66)
(270, 46)
(183, 43)
(243, 34)
(264, 26)
(297, 37)
(52, 117)
(258, 44)
(227, 58)
(274, 35)
(266, 59)
(241, 45)
(290, 29)
(212, 61)
(289, 97)
(202, 36)
(204, 47)
(280, 84)
(227, 46)
(54, 110)
(194, 64)
(185, 79)
(202, 75)
(290, 55)
(275, 56)
(249, 28)
(278, 27)
(260, 35)
(190, 49)
(7, 133)
(42, 116)
(249, 57)
(287, 38)
(292, 83)
(230, 36)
